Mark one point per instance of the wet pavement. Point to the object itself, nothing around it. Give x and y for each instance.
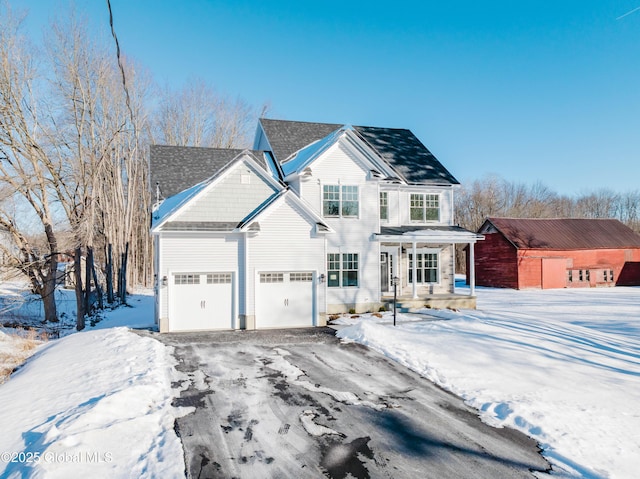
(300, 404)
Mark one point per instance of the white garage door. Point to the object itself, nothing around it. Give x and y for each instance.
(284, 299)
(201, 301)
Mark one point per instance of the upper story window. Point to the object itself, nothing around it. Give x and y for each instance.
(384, 205)
(424, 207)
(340, 200)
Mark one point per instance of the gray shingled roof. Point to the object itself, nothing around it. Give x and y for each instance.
(400, 148)
(177, 168)
(407, 155)
(565, 233)
(287, 137)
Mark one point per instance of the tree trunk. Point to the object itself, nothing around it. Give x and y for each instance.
(123, 291)
(94, 274)
(49, 299)
(109, 274)
(88, 264)
(77, 271)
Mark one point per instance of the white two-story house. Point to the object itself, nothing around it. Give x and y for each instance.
(316, 219)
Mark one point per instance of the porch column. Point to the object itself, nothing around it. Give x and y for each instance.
(453, 268)
(414, 269)
(472, 270)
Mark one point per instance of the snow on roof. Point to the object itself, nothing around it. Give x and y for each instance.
(171, 204)
(298, 160)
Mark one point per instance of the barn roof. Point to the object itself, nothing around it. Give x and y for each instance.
(564, 233)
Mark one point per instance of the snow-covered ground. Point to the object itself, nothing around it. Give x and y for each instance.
(94, 404)
(563, 366)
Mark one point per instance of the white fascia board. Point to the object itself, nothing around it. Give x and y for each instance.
(301, 159)
(358, 145)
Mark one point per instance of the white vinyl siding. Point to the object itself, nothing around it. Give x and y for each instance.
(286, 243)
(183, 256)
(410, 205)
(340, 165)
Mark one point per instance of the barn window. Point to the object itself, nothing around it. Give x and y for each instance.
(570, 276)
(587, 275)
(580, 277)
(611, 275)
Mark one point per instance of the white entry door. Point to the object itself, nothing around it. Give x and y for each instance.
(285, 299)
(201, 301)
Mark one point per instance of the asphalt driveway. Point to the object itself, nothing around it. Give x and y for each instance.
(299, 404)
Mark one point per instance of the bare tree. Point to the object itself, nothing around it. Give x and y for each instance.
(197, 115)
(27, 174)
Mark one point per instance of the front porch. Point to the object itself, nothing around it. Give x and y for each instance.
(408, 304)
(419, 263)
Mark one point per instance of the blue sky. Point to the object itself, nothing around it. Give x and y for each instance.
(530, 90)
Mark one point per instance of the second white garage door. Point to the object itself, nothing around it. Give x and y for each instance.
(201, 301)
(285, 299)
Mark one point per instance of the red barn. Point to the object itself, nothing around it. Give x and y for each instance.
(556, 253)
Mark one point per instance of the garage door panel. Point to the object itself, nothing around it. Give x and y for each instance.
(284, 299)
(201, 301)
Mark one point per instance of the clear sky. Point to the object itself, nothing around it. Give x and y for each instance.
(529, 90)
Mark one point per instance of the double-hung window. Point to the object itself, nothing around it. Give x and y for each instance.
(424, 207)
(384, 205)
(340, 200)
(426, 268)
(342, 269)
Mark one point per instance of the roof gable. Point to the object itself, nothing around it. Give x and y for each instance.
(400, 149)
(176, 168)
(563, 233)
(220, 203)
(287, 137)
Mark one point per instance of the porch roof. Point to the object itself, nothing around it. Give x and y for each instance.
(427, 234)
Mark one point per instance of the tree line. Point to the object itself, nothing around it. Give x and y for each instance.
(75, 125)
(493, 196)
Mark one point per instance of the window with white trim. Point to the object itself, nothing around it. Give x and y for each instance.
(426, 268)
(342, 269)
(340, 200)
(424, 207)
(384, 205)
